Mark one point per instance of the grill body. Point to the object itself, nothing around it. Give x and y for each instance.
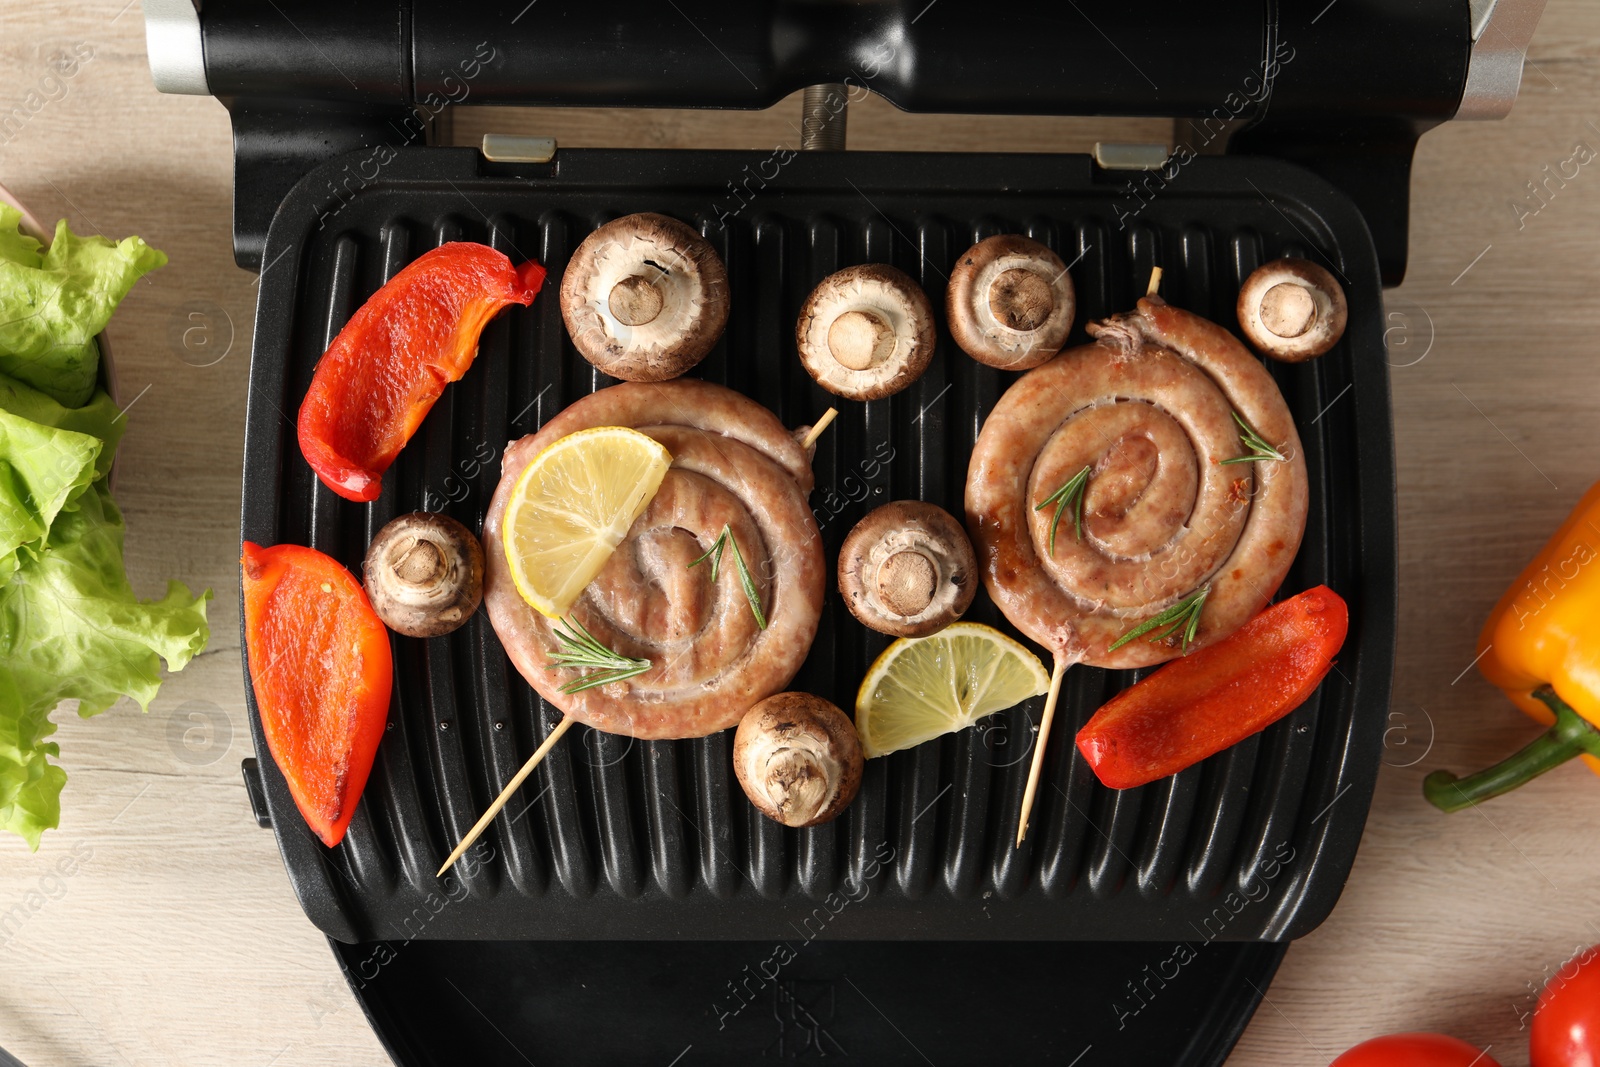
(620, 839)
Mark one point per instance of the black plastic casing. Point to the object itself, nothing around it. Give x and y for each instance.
(1344, 89)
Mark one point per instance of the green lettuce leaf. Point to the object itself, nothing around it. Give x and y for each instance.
(72, 629)
(100, 417)
(52, 305)
(15, 245)
(30, 785)
(41, 470)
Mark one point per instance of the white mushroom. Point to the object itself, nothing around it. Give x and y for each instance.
(424, 574)
(644, 298)
(1292, 310)
(798, 758)
(866, 332)
(907, 569)
(1010, 302)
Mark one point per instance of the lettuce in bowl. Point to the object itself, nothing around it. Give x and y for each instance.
(54, 300)
(71, 627)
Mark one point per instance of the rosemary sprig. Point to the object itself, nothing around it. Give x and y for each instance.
(1184, 615)
(714, 554)
(751, 593)
(1069, 495)
(1259, 448)
(582, 651)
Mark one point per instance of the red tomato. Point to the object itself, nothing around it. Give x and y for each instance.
(1415, 1050)
(1566, 1025)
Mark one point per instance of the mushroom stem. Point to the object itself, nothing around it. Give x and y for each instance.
(860, 339)
(1021, 299)
(420, 563)
(797, 780)
(635, 300)
(906, 582)
(1288, 310)
(816, 431)
(1042, 740)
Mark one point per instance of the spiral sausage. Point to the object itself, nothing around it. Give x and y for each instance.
(1148, 407)
(733, 465)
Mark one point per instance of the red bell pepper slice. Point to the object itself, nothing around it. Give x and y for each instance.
(1219, 695)
(379, 378)
(321, 669)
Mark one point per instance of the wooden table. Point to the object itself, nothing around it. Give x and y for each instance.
(176, 939)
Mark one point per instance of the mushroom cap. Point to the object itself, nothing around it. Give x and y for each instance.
(866, 332)
(1010, 302)
(1292, 310)
(644, 297)
(798, 758)
(424, 574)
(907, 569)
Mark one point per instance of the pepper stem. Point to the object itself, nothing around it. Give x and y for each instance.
(1571, 735)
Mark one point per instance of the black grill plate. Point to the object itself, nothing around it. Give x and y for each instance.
(620, 839)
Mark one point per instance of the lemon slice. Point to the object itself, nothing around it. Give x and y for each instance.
(922, 687)
(572, 507)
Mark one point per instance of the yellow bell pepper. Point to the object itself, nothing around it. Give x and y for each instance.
(1541, 645)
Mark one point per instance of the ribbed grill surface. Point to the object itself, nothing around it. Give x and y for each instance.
(614, 837)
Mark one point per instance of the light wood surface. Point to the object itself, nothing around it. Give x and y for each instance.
(177, 939)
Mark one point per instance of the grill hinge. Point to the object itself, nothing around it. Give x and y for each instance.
(1116, 155)
(514, 148)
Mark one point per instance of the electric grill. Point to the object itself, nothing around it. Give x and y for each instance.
(635, 873)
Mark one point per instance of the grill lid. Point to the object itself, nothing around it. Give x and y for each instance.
(305, 80)
(616, 838)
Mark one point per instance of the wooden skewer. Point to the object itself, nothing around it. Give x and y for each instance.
(566, 723)
(505, 794)
(1061, 666)
(816, 431)
(1039, 745)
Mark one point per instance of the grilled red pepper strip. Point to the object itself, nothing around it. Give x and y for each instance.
(381, 375)
(321, 670)
(1218, 696)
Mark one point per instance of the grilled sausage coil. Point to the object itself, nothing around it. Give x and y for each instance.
(734, 466)
(1149, 408)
